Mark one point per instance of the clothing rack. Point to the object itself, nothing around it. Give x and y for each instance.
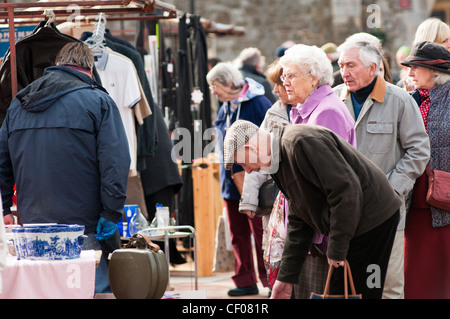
(29, 12)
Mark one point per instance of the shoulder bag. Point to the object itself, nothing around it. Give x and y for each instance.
(266, 197)
(438, 194)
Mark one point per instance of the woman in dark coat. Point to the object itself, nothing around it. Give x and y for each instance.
(427, 232)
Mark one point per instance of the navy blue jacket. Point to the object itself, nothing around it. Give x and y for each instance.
(63, 143)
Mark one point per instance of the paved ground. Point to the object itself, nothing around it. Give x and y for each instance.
(182, 285)
(214, 287)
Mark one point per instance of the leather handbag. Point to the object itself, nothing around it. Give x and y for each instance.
(438, 194)
(266, 197)
(348, 279)
(138, 270)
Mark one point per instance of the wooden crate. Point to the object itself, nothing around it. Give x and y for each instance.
(208, 206)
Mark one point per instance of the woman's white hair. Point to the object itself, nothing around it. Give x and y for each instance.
(369, 52)
(441, 78)
(224, 72)
(310, 59)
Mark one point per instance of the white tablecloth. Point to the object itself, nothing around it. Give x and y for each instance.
(56, 279)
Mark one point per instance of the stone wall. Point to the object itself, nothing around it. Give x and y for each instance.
(269, 23)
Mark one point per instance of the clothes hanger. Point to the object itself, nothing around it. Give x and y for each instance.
(97, 41)
(51, 16)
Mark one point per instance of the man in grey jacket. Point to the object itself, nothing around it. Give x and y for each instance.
(332, 189)
(389, 131)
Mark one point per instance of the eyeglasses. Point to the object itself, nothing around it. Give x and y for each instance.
(214, 87)
(289, 77)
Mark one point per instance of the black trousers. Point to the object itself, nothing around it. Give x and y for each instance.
(368, 256)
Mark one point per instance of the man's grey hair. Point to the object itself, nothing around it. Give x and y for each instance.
(76, 53)
(249, 56)
(224, 72)
(310, 59)
(364, 37)
(368, 53)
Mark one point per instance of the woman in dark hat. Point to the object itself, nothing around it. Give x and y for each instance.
(427, 233)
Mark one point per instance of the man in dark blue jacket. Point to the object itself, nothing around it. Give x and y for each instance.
(64, 145)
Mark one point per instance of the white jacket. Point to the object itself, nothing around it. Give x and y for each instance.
(277, 114)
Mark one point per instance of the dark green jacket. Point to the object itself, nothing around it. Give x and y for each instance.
(332, 189)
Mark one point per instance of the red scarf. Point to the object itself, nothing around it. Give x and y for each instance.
(79, 69)
(425, 106)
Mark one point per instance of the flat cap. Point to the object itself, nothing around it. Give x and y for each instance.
(329, 47)
(237, 136)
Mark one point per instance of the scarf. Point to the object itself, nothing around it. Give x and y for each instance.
(425, 106)
(79, 69)
(361, 95)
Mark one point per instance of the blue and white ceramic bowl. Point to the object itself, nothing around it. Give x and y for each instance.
(48, 242)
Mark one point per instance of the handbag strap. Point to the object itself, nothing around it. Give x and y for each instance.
(151, 245)
(348, 279)
(428, 170)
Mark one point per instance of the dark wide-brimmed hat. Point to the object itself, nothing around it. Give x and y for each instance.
(429, 55)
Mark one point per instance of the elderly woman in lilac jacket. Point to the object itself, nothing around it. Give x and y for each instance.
(307, 78)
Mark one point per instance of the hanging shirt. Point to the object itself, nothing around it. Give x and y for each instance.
(119, 79)
(142, 109)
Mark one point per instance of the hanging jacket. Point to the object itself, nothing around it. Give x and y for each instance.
(64, 145)
(34, 53)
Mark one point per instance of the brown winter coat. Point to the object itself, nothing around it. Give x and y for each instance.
(332, 189)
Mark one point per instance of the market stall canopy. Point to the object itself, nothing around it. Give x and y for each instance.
(26, 13)
(31, 13)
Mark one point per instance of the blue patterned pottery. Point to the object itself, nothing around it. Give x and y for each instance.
(48, 242)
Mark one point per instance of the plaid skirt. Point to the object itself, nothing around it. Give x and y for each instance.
(312, 278)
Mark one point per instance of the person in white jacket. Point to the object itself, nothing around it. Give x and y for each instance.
(277, 114)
